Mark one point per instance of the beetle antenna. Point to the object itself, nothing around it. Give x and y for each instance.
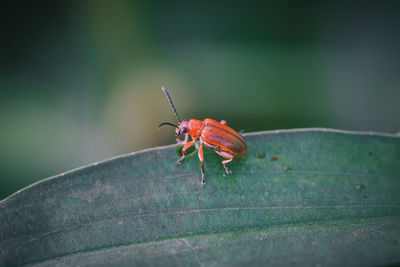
(167, 123)
(172, 105)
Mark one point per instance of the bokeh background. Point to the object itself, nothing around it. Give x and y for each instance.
(80, 80)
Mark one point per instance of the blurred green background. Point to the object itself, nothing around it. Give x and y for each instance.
(80, 80)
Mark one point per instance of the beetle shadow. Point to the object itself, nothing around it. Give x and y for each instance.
(190, 152)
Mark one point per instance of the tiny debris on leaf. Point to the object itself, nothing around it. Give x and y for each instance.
(360, 187)
(287, 168)
(274, 158)
(260, 155)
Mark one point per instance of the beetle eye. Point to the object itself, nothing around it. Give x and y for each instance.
(184, 130)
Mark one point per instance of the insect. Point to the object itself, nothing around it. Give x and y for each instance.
(214, 135)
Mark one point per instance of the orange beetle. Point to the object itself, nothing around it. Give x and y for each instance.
(217, 136)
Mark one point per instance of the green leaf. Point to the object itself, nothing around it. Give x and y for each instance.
(303, 197)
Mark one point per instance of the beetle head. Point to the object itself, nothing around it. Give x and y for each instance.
(182, 128)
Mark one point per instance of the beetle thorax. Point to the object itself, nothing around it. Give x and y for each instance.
(195, 128)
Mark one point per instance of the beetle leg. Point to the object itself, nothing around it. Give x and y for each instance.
(180, 142)
(201, 158)
(229, 158)
(223, 122)
(224, 162)
(186, 147)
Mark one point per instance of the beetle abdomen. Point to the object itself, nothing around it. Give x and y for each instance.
(217, 134)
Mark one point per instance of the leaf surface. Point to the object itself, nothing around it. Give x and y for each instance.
(312, 196)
